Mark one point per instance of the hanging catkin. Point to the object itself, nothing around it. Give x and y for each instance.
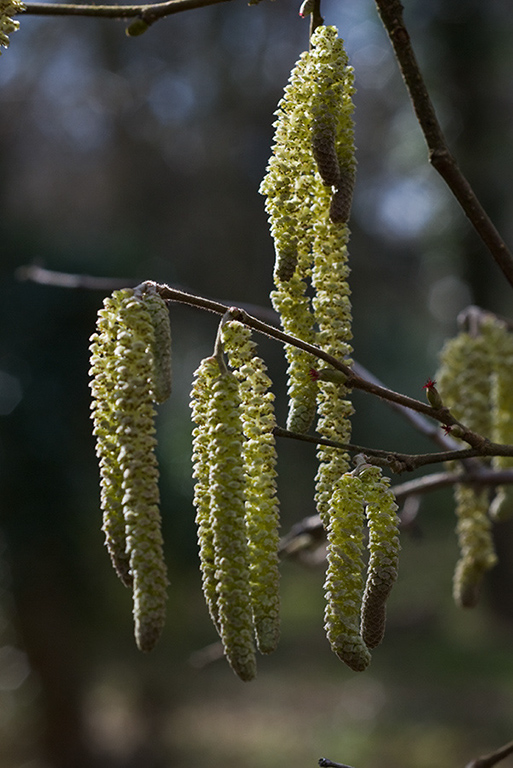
(465, 381)
(227, 499)
(313, 152)
(344, 577)
(201, 394)
(259, 451)
(382, 522)
(122, 366)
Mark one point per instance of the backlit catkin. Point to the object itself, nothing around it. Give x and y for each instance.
(465, 381)
(8, 25)
(201, 394)
(259, 452)
(161, 345)
(313, 158)
(122, 368)
(344, 578)
(382, 522)
(227, 499)
(501, 507)
(477, 554)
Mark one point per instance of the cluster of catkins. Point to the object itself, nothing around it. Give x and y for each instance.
(234, 459)
(130, 371)
(475, 381)
(308, 188)
(8, 9)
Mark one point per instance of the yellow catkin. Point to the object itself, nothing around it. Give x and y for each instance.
(313, 157)
(382, 522)
(477, 554)
(466, 382)
(262, 510)
(344, 576)
(8, 25)
(227, 499)
(161, 347)
(122, 368)
(201, 394)
(501, 507)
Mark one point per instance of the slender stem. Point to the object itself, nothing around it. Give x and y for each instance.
(325, 763)
(316, 19)
(391, 12)
(149, 12)
(487, 761)
(443, 415)
(400, 462)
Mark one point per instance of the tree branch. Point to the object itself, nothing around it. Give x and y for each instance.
(391, 13)
(483, 446)
(149, 12)
(487, 761)
(401, 462)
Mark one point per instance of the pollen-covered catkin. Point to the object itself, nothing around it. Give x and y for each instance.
(103, 413)
(8, 25)
(382, 521)
(465, 382)
(227, 498)
(501, 507)
(161, 346)
(314, 147)
(262, 511)
(344, 578)
(464, 379)
(138, 464)
(476, 544)
(124, 416)
(201, 394)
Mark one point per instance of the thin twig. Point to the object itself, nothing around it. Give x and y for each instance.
(36, 274)
(353, 380)
(391, 12)
(487, 761)
(325, 763)
(148, 12)
(400, 462)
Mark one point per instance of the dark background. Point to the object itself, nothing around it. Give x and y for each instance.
(141, 159)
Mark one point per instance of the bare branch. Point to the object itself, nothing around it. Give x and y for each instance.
(148, 12)
(483, 446)
(487, 761)
(391, 12)
(325, 763)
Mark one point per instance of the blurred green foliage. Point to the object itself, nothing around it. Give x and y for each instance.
(141, 159)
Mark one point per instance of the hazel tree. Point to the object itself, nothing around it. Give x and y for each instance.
(468, 410)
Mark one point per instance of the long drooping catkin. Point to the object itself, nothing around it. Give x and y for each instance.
(259, 452)
(122, 367)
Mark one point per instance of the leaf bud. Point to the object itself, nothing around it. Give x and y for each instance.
(136, 27)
